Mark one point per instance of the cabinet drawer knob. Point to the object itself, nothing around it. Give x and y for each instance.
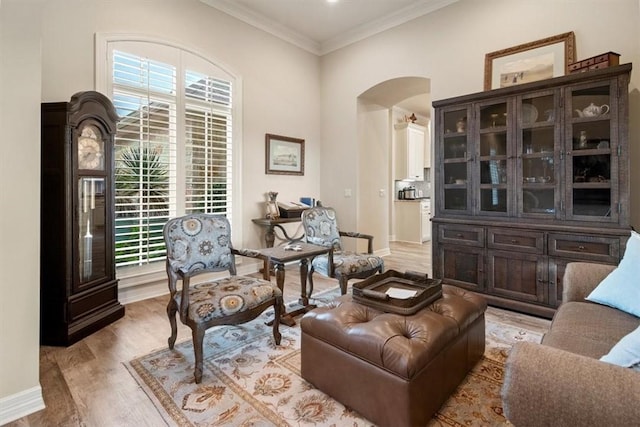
(581, 247)
(514, 241)
(459, 235)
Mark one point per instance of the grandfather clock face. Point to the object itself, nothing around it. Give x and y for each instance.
(90, 149)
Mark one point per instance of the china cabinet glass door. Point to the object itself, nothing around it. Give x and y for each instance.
(494, 154)
(593, 156)
(456, 157)
(538, 131)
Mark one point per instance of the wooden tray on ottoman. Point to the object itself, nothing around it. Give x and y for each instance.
(372, 291)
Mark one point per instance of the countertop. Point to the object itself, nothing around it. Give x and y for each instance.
(417, 199)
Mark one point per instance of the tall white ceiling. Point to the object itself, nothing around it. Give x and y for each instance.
(320, 26)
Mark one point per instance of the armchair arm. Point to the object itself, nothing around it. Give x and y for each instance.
(360, 236)
(580, 278)
(252, 253)
(547, 386)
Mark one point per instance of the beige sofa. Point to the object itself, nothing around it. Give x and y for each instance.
(561, 382)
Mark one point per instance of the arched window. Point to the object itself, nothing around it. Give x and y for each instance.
(175, 141)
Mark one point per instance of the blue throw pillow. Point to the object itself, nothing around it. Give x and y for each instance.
(621, 288)
(627, 352)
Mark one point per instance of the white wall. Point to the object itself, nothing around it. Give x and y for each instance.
(20, 207)
(286, 91)
(449, 47)
(281, 83)
(281, 86)
(374, 133)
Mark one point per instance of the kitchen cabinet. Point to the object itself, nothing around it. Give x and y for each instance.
(533, 177)
(425, 218)
(412, 219)
(427, 147)
(410, 145)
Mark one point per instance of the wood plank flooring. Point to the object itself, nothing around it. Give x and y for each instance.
(87, 384)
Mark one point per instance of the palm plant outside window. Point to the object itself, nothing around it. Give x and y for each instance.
(173, 149)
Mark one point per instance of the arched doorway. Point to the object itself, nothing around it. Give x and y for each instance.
(379, 108)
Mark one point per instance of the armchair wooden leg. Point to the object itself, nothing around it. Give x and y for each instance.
(198, 337)
(343, 285)
(172, 309)
(277, 307)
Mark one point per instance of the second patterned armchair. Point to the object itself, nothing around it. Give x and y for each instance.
(321, 228)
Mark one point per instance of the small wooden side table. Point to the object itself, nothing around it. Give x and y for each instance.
(279, 256)
(271, 224)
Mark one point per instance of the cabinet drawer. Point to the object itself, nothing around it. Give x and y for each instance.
(461, 235)
(604, 249)
(575, 66)
(516, 240)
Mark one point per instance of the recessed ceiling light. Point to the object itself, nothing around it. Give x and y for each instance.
(332, 1)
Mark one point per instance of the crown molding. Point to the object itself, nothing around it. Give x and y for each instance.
(361, 32)
(372, 28)
(265, 24)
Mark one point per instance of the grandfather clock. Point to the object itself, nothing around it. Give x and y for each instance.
(78, 286)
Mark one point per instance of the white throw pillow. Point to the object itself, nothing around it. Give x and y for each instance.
(621, 288)
(627, 352)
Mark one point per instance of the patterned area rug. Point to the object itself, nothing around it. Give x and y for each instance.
(249, 381)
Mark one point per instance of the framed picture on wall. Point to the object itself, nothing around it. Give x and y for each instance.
(530, 62)
(284, 155)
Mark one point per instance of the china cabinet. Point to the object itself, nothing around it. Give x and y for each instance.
(410, 141)
(533, 176)
(78, 287)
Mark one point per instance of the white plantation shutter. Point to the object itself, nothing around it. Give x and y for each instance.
(208, 144)
(173, 148)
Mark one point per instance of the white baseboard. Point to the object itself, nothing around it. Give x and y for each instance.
(142, 292)
(382, 252)
(21, 404)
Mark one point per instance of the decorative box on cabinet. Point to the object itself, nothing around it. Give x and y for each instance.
(410, 146)
(604, 60)
(538, 176)
(78, 286)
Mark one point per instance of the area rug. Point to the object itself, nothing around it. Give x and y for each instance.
(249, 381)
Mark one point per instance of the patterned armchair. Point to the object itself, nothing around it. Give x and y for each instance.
(201, 243)
(321, 228)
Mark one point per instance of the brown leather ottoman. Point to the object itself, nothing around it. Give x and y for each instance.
(394, 370)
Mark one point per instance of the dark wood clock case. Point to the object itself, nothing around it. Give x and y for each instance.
(78, 285)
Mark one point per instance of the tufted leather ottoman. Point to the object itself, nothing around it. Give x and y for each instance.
(394, 370)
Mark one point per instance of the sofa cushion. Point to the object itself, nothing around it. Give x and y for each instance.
(588, 329)
(627, 352)
(621, 288)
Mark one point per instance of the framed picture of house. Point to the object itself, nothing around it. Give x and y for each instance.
(530, 62)
(284, 155)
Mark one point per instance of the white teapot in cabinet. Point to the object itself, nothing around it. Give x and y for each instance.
(593, 110)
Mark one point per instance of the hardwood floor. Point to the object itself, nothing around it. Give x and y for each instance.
(87, 384)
